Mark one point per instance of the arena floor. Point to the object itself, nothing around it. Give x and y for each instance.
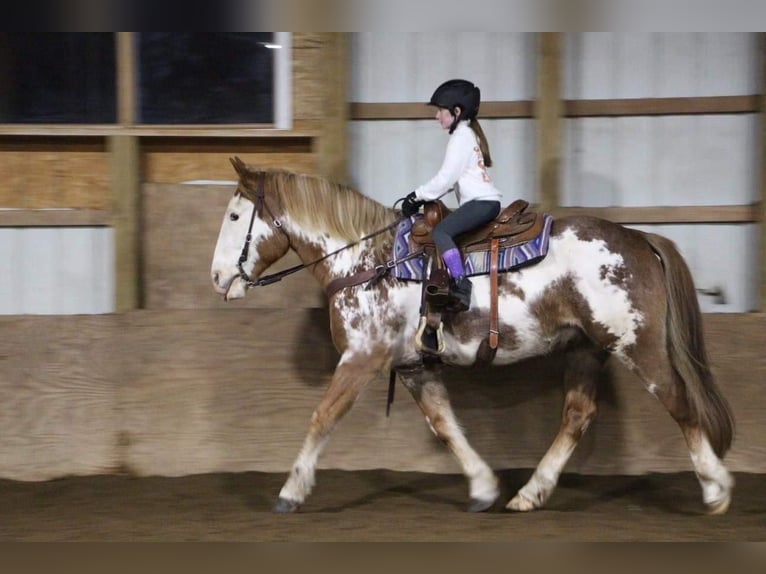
(372, 506)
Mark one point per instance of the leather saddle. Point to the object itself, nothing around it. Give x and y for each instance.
(513, 225)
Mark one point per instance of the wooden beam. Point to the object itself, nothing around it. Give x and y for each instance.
(421, 111)
(125, 164)
(126, 212)
(662, 106)
(627, 215)
(126, 78)
(200, 145)
(669, 214)
(154, 130)
(572, 108)
(548, 112)
(332, 144)
(126, 182)
(762, 246)
(54, 218)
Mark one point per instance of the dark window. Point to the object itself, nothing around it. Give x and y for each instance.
(205, 78)
(50, 77)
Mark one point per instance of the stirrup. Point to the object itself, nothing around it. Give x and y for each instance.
(435, 335)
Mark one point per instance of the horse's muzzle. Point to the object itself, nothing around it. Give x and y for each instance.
(236, 290)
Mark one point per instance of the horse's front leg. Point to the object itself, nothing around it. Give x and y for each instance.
(353, 372)
(432, 398)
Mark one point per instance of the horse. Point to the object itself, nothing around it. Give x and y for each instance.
(602, 289)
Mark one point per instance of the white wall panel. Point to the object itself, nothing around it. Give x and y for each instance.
(654, 65)
(726, 63)
(10, 267)
(408, 66)
(388, 159)
(56, 270)
(721, 257)
(670, 160)
(391, 158)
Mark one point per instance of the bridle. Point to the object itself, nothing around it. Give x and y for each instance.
(259, 203)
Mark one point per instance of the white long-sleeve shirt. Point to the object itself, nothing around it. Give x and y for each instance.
(463, 165)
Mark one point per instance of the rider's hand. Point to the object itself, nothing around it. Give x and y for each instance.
(410, 205)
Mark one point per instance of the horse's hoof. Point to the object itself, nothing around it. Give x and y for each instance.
(520, 504)
(479, 505)
(719, 506)
(284, 506)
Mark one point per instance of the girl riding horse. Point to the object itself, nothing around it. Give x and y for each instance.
(465, 170)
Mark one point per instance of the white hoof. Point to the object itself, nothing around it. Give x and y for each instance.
(717, 495)
(719, 506)
(520, 504)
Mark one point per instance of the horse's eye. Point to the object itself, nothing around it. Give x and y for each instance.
(234, 216)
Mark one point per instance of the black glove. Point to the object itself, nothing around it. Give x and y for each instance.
(410, 205)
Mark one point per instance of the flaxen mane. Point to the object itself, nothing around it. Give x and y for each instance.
(317, 204)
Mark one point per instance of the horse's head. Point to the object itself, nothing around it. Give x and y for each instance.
(250, 239)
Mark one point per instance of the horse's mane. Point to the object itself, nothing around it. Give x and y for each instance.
(318, 204)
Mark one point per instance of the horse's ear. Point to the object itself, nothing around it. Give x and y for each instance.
(239, 166)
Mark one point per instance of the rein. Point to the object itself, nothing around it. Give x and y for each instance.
(260, 204)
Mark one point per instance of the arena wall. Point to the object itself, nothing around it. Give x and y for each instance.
(176, 392)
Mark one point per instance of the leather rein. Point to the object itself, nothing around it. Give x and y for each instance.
(370, 275)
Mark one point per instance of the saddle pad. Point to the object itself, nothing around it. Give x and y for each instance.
(476, 263)
(513, 257)
(412, 269)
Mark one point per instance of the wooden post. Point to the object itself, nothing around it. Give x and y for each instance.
(762, 201)
(126, 183)
(332, 144)
(126, 209)
(548, 113)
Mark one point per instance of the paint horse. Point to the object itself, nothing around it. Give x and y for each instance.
(602, 289)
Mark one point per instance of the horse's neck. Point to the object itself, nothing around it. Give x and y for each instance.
(339, 258)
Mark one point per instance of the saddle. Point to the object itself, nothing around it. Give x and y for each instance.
(513, 226)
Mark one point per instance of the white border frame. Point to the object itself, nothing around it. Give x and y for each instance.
(283, 81)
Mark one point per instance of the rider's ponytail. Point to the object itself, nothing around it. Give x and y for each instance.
(483, 144)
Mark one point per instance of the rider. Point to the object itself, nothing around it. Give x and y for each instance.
(464, 170)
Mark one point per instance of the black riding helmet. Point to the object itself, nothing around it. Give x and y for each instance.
(457, 94)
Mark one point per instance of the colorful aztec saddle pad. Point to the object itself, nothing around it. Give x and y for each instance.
(476, 263)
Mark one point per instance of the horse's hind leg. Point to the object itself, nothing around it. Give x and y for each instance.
(580, 381)
(664, 383)
(714, 478)
(432, 398)
(351, 375)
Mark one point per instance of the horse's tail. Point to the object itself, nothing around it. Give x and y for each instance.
(686, 347)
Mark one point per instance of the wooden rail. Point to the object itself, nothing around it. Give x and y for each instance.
(55, 218)
(669, 214)
(522, 109)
